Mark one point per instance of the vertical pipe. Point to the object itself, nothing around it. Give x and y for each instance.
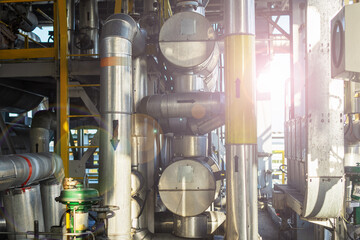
(88, 40)
(70, 7)
(64, 121)
(240, 124)
(116, 108)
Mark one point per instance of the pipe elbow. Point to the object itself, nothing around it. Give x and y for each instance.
(119, 25)
(44, 119)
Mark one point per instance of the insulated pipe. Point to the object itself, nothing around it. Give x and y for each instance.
(207, 125)
(116, 107)
(189, 105)
(42, 123)
(23, 169)
(88, 40)
(240, 121)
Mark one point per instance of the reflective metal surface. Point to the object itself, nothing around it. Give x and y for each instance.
(188, 83)
(241, 192)
(190, 146)
(88, 39)
(116, 108)
(205, 126)
(190, 227)
(187, 187)
(139, 80)
(22, 207)
(137, 182)
(187, 41)
(240, 17)
(42, 123)
(352, 154)
(24, 169)
(50, 189)
(180, 105)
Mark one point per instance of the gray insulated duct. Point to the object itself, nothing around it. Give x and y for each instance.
(120, 37)
(23, 169)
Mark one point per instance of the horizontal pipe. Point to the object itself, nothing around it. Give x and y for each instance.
(183, 105)
(23, 169)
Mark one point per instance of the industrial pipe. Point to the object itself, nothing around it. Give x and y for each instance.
(116, 106)
(42, 123)
(23, 169)
(207, 125)
(180, 105)
(240, 122)
(88, 37)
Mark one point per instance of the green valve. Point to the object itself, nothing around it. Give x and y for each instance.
(78, 201)
(80, 197)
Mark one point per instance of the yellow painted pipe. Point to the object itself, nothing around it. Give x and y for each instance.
(240, 89)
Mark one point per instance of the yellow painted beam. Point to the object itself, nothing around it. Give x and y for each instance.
(240, 90)
(118, 6)
(64, 123)
(27, 53)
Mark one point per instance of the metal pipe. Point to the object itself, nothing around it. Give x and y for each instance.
(70, 6)
(50, 189)
(177, 105)
(116, 106)
(42, 123)
(22, 207)
(88, 39)
(22, 170)
(207, 125)
(240, 17)
(240, 122)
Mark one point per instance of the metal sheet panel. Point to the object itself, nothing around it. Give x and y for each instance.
(325, 139)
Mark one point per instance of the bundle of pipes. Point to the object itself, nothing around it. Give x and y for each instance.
(20, 176)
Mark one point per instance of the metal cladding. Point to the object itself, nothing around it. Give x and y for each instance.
(187, 187)
(42, 123)
(53, 210)
(240, 89)
(240, 17)
(22, 207)
(116, 106)
(241, 192)
(23, 169)
(191, 227)
(240, 121)
(191, 105)
(187, 41)
(88, 40)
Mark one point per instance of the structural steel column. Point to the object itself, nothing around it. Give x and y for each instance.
(241, 136)
(64, 124)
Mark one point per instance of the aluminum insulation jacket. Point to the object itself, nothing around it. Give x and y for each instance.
(197, 105)
(23, 169)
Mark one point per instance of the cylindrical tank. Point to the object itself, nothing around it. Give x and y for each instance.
(187, 187)
(52, 210)
(187, 42)
(22, 207)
